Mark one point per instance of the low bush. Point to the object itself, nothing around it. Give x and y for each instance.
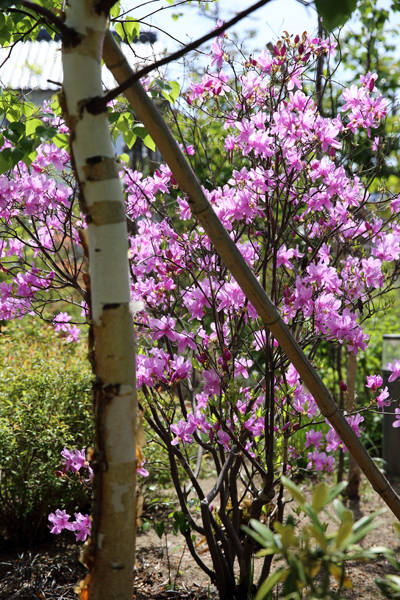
(45, 405)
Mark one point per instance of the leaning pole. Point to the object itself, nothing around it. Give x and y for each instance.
(148, 114)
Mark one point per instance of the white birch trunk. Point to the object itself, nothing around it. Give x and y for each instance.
(110, 553)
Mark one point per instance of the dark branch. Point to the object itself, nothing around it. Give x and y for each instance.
(98, 105)
(69, 36)
(104, 6)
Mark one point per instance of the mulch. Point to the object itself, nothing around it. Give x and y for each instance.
(52, 572)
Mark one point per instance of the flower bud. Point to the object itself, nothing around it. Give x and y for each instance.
(202, 358)
(226, 354)
(297, 39)
(343, 386)
(301, 48)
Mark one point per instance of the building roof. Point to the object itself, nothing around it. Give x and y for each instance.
(30, 65)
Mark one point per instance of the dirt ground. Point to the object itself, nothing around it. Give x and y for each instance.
(165, 568)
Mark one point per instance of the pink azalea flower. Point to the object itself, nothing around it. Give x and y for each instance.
(313, 437)
(381, 400)
(223, 439)
(218, 53)
(374, 382)
(397, 422)
(60, 521)
(82, 526)
(395, 367)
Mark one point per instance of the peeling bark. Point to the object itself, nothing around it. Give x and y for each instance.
(109, 554)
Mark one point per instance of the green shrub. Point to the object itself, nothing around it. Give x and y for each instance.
(45, 405)
(311, 555)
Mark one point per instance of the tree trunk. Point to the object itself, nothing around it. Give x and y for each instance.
(110, 552)
(354, 470)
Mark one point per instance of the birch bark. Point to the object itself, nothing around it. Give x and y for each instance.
(110, 552)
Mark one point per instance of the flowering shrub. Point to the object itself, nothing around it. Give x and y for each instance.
(212, 375)
(74, 461)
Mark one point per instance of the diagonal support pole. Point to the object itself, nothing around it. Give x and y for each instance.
(155, 125)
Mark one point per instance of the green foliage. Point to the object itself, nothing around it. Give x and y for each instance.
(128, 30)
(25, 130)
(312, 555)
(335, 13)
(390, 586)
(45, 387)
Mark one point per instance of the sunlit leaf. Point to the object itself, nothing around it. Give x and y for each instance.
(334, 14)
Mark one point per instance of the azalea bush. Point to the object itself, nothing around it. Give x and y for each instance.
(214, 381)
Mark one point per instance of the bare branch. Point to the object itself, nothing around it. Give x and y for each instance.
(69, 36)
(98, 105)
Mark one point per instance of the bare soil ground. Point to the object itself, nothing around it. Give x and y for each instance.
(165, 568)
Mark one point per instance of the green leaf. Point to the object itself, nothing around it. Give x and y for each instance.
(176, 16)
(120, 30)
(4, 166)
(319, 496)
(169, 89)
(12, 156)
(114, 12)
(262, 530)
(159, 528)
(139, 130)
(175, 90)
(129, 138)
(32, 124)
(146, 525)
(61, 141)
(170, 2)
(28, 145)
(344, 514)
(14, 132)
(343, 533)
(294, 490)
(165, 86)
(132, 29)
(46, 134)
(333, 493)
(269, 583)
(149, 143)
(335, 13)
(396, 526)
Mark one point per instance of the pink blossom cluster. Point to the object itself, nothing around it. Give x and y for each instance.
(60, 521)
(39, 240)
(286, 149)
(296, 210)
(75, 460)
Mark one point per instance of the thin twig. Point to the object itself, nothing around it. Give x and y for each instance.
(98, 105)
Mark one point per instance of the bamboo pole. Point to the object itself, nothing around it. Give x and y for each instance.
(155, 125)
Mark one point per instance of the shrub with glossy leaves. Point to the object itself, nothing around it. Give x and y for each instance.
(44, 405)
(312, 555)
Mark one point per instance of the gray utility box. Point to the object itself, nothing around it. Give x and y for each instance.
(391, 435)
